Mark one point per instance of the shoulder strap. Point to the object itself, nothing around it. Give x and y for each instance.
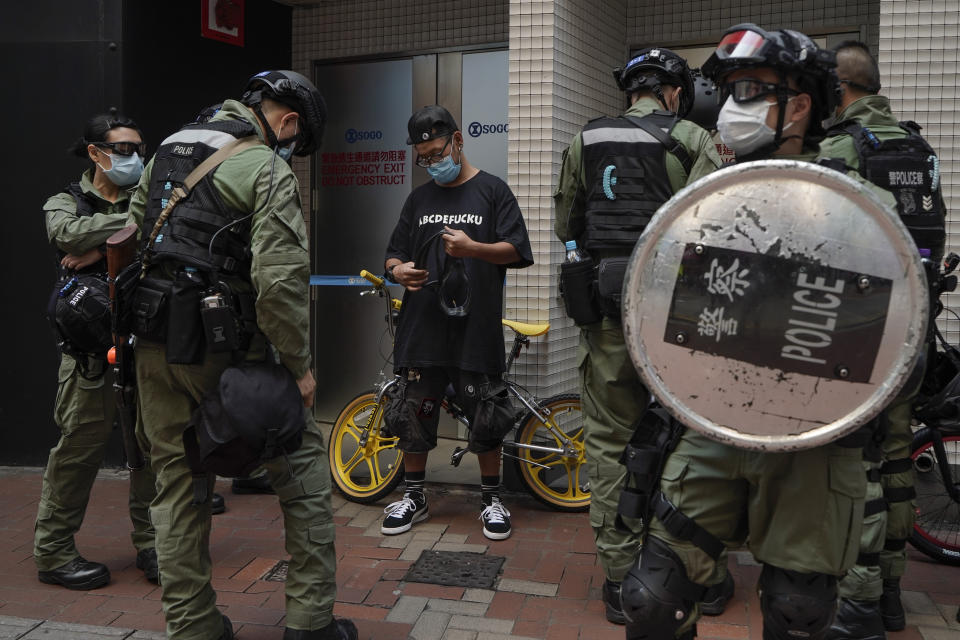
(85, 204)
(195, 176)
(664, 138)
(911, 126)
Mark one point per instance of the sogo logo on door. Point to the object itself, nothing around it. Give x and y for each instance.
(477, 129)
(354, 135)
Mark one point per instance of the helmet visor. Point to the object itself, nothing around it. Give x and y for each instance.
(745, 44)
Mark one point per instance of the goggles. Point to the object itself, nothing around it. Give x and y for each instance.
(124, 148)
(453, 285)
(747, 90)
(435, 158)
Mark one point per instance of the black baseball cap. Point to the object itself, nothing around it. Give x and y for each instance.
(430, 122)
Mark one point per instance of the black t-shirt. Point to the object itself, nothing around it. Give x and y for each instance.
(485, 209)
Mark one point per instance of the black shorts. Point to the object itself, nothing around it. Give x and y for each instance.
(414, 408)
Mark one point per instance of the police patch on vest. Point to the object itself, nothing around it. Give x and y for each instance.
(182, 150)
(787, 314)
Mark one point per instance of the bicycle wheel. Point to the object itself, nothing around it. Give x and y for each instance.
(558, 480)
(365, 463)
(936, 531)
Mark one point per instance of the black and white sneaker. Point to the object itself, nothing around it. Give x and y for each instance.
(496, 520)
(402, 515)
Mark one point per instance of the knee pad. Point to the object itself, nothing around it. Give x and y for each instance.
(796, 605)
(656, 595)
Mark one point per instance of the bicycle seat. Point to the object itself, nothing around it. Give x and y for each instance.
(526, 328)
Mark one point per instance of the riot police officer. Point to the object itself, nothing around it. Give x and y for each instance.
(79, 220)
(868, 139)
(776, 87)
(238, 240)
(615, 175)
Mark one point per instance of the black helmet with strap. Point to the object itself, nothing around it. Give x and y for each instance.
(653, 67)
(297, 92)
(790, 54)
(706, 106)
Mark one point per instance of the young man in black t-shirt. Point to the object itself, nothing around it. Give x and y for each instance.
(456, 236)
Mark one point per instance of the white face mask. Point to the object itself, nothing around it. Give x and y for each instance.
(743, 125)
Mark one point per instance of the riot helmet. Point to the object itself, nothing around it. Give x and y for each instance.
(653, 67)
(790, 54)
(706, 106)
(298, 93)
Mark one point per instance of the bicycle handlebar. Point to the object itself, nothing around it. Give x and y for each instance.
(374, 280)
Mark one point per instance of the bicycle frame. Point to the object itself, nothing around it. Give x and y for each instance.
(527, 400)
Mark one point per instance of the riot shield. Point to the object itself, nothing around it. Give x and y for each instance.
(775, 305)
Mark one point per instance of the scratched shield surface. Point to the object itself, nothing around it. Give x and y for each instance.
(775, 305)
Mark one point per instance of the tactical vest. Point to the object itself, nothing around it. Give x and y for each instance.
(626, 177)
(87, 205)
(908, 168)
(185, 238)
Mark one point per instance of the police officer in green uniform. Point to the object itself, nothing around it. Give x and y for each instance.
(615, 175)
(79, 220)
(870, 592)
(241, 232)
(799, 511)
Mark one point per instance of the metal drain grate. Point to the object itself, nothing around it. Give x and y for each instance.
(278, 573)
(455, 569)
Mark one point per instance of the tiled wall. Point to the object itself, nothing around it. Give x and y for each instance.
(920, 72)
(561, 54)
(702, 21)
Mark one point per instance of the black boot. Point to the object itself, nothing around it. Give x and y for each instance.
(715, 600)
(611, 599)
(147, 562)
(857, 620)
(227, 629)
(217, 505)
(78, 574)
(338, 629)
(891, 609)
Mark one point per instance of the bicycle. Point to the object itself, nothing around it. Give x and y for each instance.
(935, 449)
(547, 451)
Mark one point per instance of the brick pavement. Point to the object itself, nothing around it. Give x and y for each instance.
(549, 587)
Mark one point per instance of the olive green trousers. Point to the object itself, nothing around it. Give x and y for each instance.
(168, 395)
(801, 511)
(84, 411)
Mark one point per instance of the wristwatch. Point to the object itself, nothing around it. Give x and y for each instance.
(389, 273)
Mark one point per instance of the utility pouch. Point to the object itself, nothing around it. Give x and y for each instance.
(125, 286)
(655, 435)
(610, 274)
(185, 327)
(577, 287)
(246, 315)
(219, 323)
(494, 417)
(148, 309)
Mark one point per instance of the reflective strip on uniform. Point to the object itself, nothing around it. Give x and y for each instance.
(617, 134)
(208, 137)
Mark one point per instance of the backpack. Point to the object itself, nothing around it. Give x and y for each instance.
(909, 169)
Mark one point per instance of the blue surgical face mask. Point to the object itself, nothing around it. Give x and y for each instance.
(124, 170)
(286, 152)
(445, 171)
